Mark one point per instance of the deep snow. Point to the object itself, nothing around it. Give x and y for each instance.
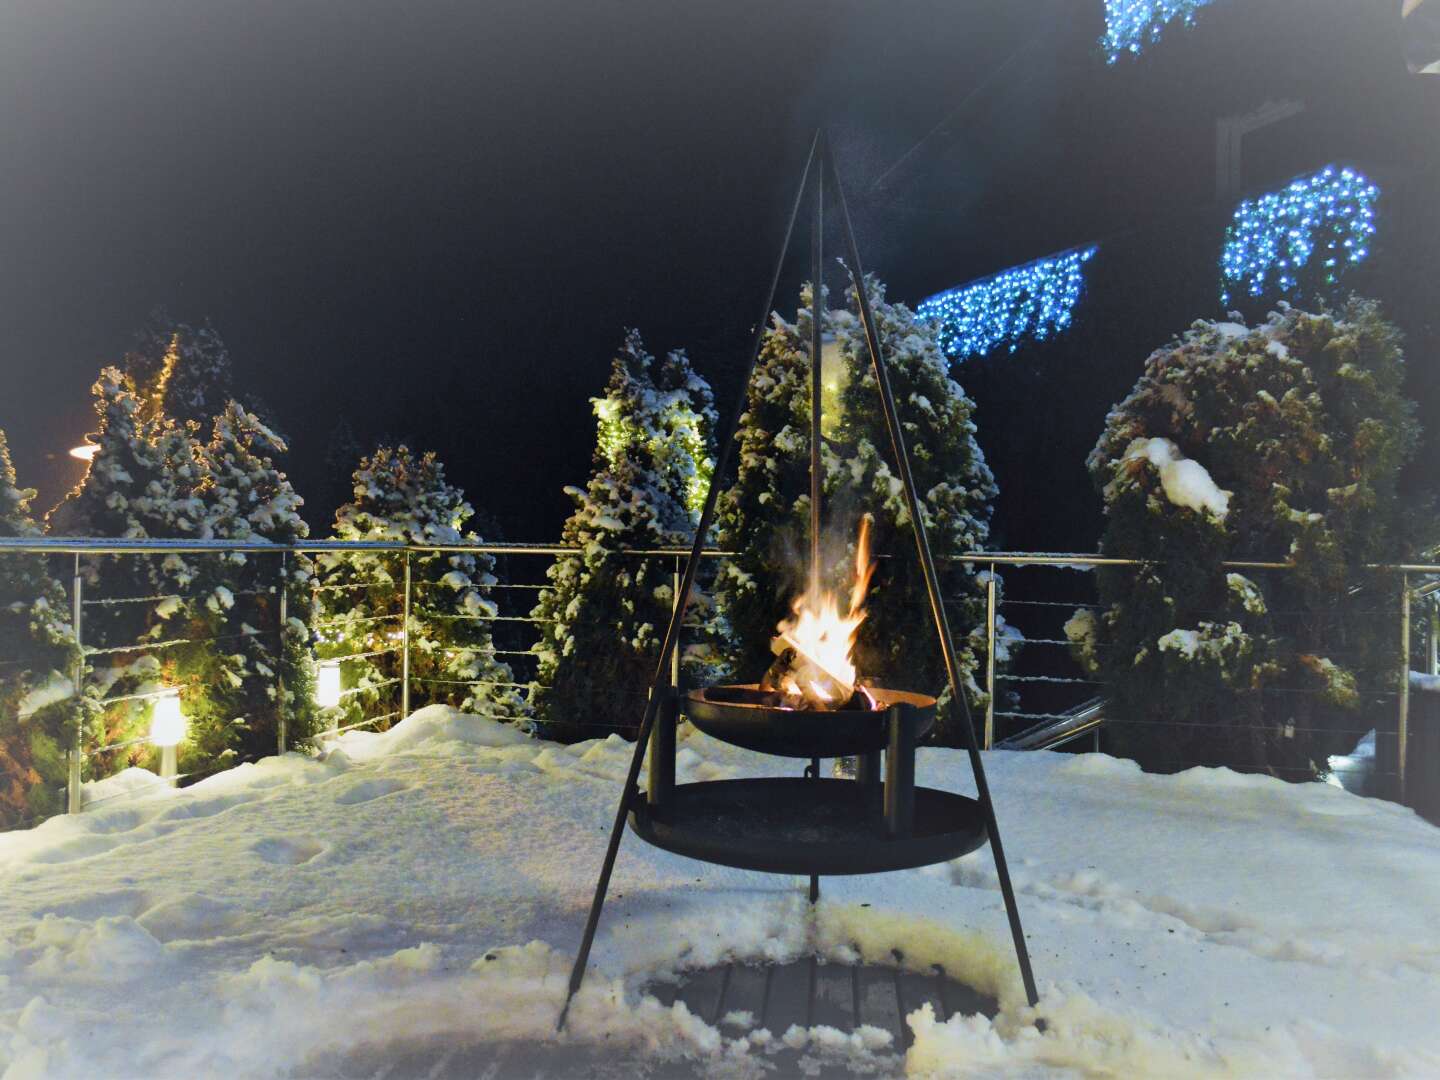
(434, 879)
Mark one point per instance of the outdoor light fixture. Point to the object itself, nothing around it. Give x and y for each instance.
(85, 451)
(1035, 300)
(1130, 25)
(327, 684)
(1320, 224)
(167, 728)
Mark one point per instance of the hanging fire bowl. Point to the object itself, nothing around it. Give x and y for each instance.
(879, 821)
(747, 716)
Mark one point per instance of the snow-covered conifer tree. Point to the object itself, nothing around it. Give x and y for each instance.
(1279, 442)
(604, 613)
(765, 514)
(402, 496)
(37, 659)
(242, 655)
(180, 371)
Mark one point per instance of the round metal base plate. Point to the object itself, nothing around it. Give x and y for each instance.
(795, 825)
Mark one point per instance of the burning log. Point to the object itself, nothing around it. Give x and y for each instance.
(814, 666)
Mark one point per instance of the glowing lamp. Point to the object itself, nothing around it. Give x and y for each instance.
(167, 727)
(167, 722)
(327, 684)
(85, 451)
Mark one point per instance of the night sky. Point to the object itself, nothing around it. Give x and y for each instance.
(436, 219)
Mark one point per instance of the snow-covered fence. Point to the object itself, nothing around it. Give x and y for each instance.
(124, 669)
(1055, 690)
(1064, 701)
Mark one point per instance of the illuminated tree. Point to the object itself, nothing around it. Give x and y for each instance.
(603, 613)
(206, 623)
(1280, 442)
(233, 692)
(180, 371)
(402, 496)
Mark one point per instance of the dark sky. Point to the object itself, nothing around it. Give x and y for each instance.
(435, 219)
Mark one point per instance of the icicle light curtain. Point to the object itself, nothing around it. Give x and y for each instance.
(1035, 300)
(1308, 232)
(1130, 25)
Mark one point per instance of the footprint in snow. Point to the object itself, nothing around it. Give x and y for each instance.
(99, 905)
(287, 850)
(365, 790)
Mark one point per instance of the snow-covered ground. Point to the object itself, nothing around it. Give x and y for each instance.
(433, 880)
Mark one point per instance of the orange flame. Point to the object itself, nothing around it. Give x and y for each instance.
(823, 674)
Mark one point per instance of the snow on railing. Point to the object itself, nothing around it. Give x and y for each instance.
(1044, 678)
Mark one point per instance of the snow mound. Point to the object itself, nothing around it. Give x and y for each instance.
(427, 728)
(1204, 924)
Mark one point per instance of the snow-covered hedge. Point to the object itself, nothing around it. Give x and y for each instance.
(1282, 441)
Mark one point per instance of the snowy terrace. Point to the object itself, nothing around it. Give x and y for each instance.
(414, 893)
(408, 901)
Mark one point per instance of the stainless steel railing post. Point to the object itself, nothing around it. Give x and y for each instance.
(989, 740)
(77, 746)
(405, 647)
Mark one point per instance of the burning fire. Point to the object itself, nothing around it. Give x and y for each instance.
(819, 640)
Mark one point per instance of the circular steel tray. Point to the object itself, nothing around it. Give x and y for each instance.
(795, 825)
(739, 715)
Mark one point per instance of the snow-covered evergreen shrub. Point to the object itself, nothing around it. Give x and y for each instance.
(233, 680)
(1283, 441)
(765, 513)
(210, 620)
(604, 614)
(37, 659)
(180, 371)
(401, 496)
(140, 484)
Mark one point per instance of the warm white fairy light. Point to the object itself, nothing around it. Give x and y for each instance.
(1031, 301)
(1311, 230)
(1130, 25)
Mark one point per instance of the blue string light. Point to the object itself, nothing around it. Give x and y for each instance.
(1323, 222)
(1130, 25)
(1034, 300)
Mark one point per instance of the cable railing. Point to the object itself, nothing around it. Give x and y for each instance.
(1046, 676)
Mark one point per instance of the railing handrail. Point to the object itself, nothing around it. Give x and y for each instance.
(89, 545)
(95, 545)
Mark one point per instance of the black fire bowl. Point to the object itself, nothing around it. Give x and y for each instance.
(794, 825)
(747, 716)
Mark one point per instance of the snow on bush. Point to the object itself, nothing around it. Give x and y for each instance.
(1185, 482)
(177, 458)
(1278, 442)
(403, 496)
(603, 614)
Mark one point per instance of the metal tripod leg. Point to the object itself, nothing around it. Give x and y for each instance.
(927, 564)
(659, 684)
